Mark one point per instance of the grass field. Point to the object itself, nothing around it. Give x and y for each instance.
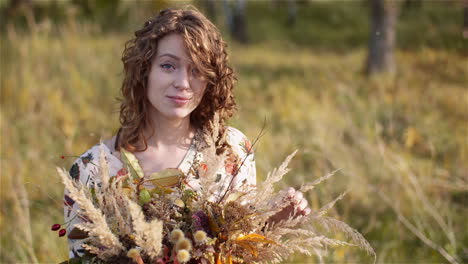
(400, 141)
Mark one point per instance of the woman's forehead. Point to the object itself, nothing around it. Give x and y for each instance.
(173, 46)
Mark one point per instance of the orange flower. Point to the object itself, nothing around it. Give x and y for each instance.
(204, 167)
(247, 146)
(231, 168)
(230, 163)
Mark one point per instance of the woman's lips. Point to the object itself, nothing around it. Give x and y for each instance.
(179, 100)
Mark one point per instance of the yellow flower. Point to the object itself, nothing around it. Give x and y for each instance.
(133, 253)
(200, 236)
(183, 255)
(176, 235)
(184, 243)
(179, 203)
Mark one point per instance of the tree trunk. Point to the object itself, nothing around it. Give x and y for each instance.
(465, 20)
(292, 13)
(210, 9)
(412, 3)
(236, 19)
(383, 16)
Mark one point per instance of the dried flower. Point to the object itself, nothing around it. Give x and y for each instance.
(184, 243)
(200, 221)
(176, 235)
(179, 203)
(183, 256)
(55, 227)
(133, 253)
(119, 227)
(200, 236)
(122, 172)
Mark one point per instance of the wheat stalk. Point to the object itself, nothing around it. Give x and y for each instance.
(147, 235)
(98, 227)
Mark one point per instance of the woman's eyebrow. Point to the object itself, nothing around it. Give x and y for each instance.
(169, 55)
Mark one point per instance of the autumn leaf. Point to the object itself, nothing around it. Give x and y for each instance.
(218, 259)
(255, 238)
(247, 246)
(131, 162)
(167, 177)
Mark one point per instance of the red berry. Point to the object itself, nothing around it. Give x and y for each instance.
(62, 232)
(55, 227)
(63, 157)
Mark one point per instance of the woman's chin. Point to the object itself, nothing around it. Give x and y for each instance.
(177, 114)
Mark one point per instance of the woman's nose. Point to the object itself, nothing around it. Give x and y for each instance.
(182, 80)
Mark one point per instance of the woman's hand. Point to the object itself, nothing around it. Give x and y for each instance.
(297, 204)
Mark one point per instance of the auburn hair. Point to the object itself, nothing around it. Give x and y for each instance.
(206, 49)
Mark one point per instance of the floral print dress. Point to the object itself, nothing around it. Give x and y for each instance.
(85, 168)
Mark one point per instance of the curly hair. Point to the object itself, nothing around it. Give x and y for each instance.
(207, 51)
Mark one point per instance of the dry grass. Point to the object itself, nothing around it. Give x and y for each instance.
(405, 137)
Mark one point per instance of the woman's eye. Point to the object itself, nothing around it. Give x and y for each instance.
(167, 66)
(196, 72)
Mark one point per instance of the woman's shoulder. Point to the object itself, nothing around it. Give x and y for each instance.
(235, 134)
(110, 143)
(89, 161)
(93, 153)
(238, 141)
(106, 146)
(242, 155)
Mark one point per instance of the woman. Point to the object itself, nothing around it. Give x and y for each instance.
(176, 94)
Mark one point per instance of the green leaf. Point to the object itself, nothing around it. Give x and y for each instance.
(93, 194)
(159, 190)
(145, 196)
(131, 162)
(189, 193)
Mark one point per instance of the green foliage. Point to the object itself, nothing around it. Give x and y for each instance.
(405, 136)
(343, 25)
(145, 196)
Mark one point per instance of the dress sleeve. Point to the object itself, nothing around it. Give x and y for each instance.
(83, 169)
(243, 152)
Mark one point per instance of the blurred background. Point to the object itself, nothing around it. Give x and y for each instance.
(375, 88)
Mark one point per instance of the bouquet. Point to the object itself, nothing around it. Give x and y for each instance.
(160, 219)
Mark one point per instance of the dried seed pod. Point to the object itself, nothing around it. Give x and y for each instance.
(62, 232)
(55, 227)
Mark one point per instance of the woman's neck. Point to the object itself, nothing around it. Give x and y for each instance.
(169, 131)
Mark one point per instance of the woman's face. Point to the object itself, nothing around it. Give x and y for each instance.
(175, 88)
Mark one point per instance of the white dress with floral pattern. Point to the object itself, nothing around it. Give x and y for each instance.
(85, 167)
